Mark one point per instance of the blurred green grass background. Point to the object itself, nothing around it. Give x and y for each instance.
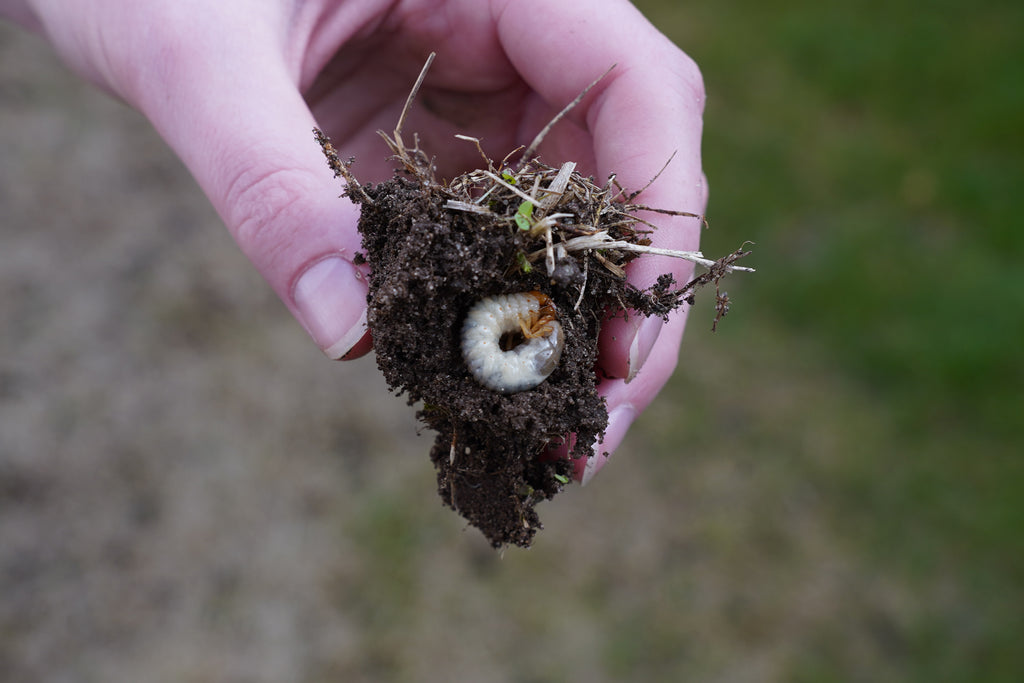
(829, 489)
(874, 152)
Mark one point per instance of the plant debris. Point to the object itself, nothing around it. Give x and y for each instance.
(436, 248)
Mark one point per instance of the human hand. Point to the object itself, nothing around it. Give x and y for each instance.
(234, 87)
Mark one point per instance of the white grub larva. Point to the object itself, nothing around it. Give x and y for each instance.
(512, 342)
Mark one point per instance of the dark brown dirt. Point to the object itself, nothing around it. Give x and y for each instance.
(430, 265)
(435, 249)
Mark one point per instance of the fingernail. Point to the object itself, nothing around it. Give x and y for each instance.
(558, 449)
(330, 298)
(642, 344)
(619, 421)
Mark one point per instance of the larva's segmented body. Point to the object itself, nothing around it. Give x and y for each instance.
(528, 318)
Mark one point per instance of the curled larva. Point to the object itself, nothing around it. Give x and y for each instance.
(512, 342)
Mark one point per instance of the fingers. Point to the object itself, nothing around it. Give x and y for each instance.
(626, 341)
(627, 400)
(647, 109)
(225, 101)
(270, 184)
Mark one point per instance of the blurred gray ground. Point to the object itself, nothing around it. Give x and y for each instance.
(189, 491)
(176, 458)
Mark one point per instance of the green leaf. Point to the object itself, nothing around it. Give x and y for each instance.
(524, 265)
(523, 215)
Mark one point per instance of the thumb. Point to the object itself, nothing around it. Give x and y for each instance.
(235, 117)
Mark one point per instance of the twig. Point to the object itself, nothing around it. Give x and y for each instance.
(423, 170)
(532, 149)
(667, 212)
(510, 188)
(583, 287)
(602, 240)
(412, 96)
(634, 195)
(476, 141)
(339, 167)
(613, 268)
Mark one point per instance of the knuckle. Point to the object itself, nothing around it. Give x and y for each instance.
(263, 208)
(689, 76)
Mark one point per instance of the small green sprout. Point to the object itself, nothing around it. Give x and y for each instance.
(523, 216)
(525, 490)
(561, 478)
(524, 263)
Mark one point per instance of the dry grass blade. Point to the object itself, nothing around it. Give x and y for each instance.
(412, 96)
(532, 149)
(602, 240)
(514, 190)
(558, 186)
(466, 206)
(416, 162)
(476, 141)
(637, 193)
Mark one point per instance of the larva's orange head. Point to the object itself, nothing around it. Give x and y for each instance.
(540, 322)
(547, 306)
(542, 298)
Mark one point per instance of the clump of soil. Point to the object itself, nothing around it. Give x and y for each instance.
(435, 250)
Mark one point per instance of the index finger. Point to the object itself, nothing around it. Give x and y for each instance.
(649, 107)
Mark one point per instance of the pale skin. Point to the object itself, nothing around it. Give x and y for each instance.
(235, 87)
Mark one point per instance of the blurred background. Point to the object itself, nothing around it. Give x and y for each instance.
(830, 489)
